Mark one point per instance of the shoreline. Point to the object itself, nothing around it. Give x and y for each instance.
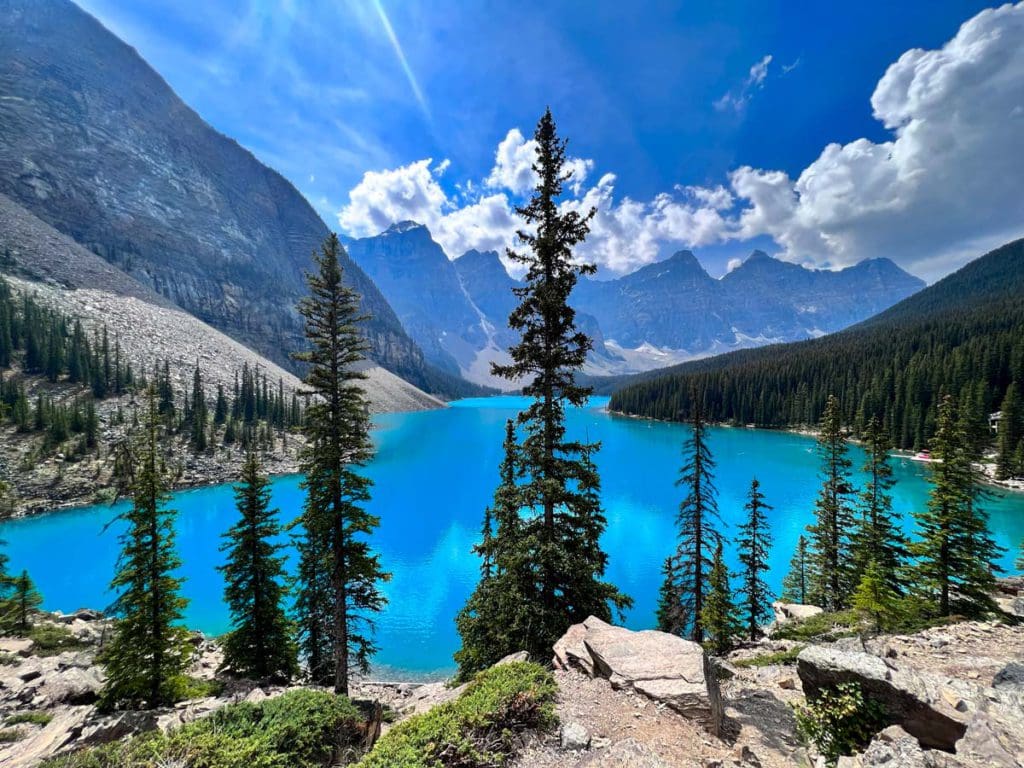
(985, 468)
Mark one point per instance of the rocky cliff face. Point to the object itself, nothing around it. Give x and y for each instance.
(425, 290)
(96, 144)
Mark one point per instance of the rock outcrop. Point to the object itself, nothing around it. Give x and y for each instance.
(974, 725)
(786, 612)
(932, 709)
(660, 666)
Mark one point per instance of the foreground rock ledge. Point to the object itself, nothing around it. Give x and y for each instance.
(660, 666)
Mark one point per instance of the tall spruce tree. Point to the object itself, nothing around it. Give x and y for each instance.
(874, 597)
(796, 584)
(495, 612)
(23, 603)
(830, 534)
(260, 644)
(557, 492)
(698, 533)
(719, 615)
(1010, 435)
(339, 575)
(149, 650)
(877, 537)
(954, 552)
(754, 544)
(198, 412)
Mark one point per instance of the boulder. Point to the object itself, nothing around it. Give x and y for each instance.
(785, 612)
(933, 709)
(662, 667)
(1011, 676)
(894, 748)
(72, 685)
(570, 653)
(574, 737)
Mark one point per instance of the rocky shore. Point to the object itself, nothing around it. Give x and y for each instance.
(949, 697)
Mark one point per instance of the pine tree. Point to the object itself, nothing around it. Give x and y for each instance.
(198, 412)
(149, 650)
(954, 552)
(698, 532)
(875, 598)
(220, 409)
(878, 537)
(1010, 434)
(7, 582)
(830, 534)
(259, 645)
(22, 604)
(754, 544)
(558, 495)
(797, 582)
(487, 622)
(719, 615)
(335, 523)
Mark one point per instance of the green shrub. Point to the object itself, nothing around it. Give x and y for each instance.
(299, 729)
(36, 718)
(769, 659)
(479, 729)
(9, 735)
(52, 639)
(839, 720)
(9, 659)
(822, 626)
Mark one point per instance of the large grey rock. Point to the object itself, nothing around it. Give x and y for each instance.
(574, 737)
(658, 665)
(571, 653)
(933, 709)
(894, 748)
(1011, 676)
(73, 685)
(786, 612)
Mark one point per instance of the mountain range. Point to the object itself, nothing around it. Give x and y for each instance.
(962, 336)
(664, 313)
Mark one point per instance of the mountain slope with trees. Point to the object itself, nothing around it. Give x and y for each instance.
(97, 145)
(962, 336)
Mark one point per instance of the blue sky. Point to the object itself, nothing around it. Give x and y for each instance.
(671, 98)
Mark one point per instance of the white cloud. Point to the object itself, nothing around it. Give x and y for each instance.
(951, 175)
(513, 164)
(945, 187)
(736, 99)
(733, 264)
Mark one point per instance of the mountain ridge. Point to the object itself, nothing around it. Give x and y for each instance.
(664, 312)
(963, 335)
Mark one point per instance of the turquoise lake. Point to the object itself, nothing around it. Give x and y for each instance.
(434, 473)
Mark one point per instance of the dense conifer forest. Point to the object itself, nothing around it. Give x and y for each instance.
(963, 336)
(54, 372)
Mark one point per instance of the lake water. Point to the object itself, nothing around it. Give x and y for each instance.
(434, 473)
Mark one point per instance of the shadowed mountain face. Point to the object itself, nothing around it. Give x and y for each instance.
(97, 145)
(664, 313)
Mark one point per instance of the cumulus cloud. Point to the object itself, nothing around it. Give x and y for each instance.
(949, 177)
(736, 100)
(945, 187)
